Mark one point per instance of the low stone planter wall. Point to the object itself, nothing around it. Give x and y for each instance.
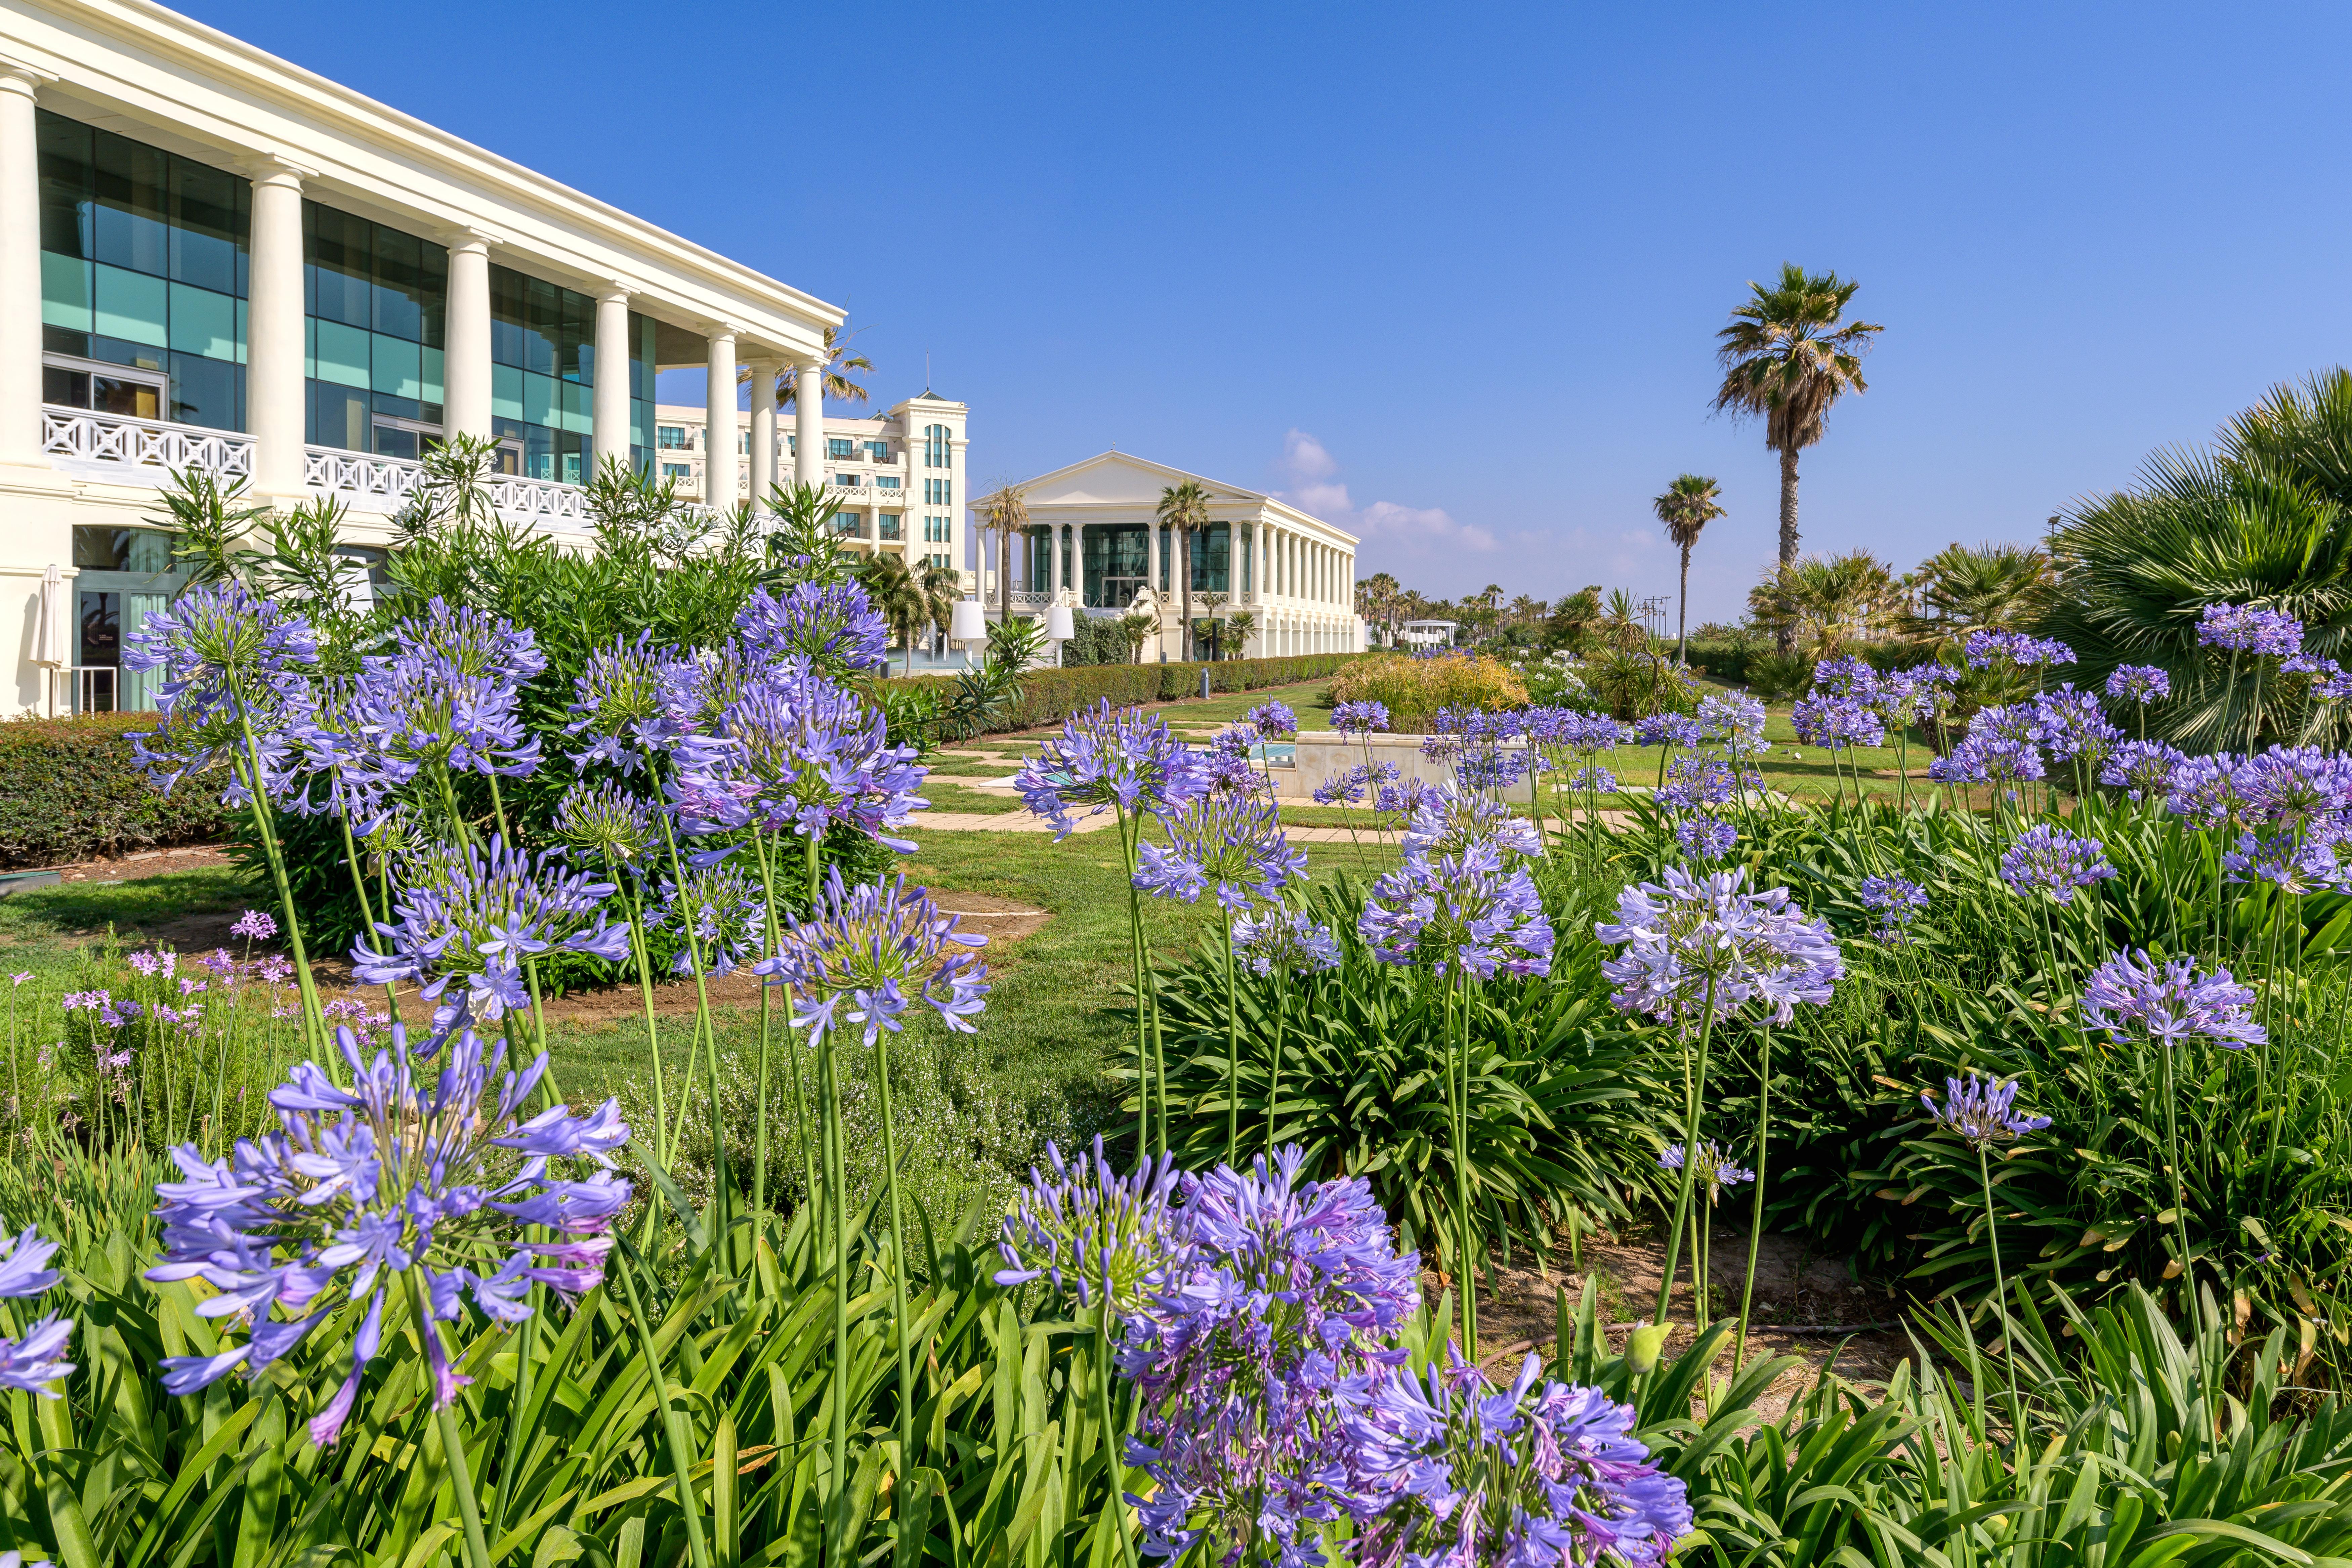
(1324, 752)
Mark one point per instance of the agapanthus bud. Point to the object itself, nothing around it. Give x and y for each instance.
(1983, 1111)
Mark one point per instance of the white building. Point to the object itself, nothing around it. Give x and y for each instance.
(1094, 543)
(209, 256)
(898, 476)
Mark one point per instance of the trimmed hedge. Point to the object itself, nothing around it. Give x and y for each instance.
(67, 792)
(1049, 696)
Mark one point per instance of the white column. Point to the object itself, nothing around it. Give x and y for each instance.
(466, 362)
(1053, 561)
(609, 400)
(808, 424)
(764, 428)
(20, 266)
(719, 432)
(274, 391)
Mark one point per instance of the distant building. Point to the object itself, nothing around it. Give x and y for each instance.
(1093, 542)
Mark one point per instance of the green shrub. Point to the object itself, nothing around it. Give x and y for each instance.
(1415, 688)
(1048, 696)
(68, 791)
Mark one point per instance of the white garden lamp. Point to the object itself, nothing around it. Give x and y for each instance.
(51, 644)
(1060, 627)
(968, 624)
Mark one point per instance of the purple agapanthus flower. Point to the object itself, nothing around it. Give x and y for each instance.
(1590, 734)
(1705, 838)
(1598, 779)
(796, 754)
(1667, 730)
(1447, 821)
(472, 917)
(1451, 1472)
(872, 951)
(1230, 842)
(1406, 797)
(1700, 782)
(1897, 899)
(1286, 1298)
(33, 1360)
(1695, 935)
(1837, 723)
(1846, 676)
(1713, 1171)
(1733, 719)
(1099, 1236)
(1982, 1110)
(1344, 788)
(1283, 941)
(833, 626)
(1465, 911)
(2048, 858)
(1987, 759)
(1107, 758)
(2143, 770)
(362, 1186)
(233, 674)
(1271, 721)
(2140, 683)
(622, 703)
(2135, 998)
(2205, 789)
(2293, 859)
(2250, 629)
(2070, 723)
(717, 905)
(1360, 717)
(449, 696)
(2293, 786)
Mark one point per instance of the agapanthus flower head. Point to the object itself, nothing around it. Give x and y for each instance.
(1704, 782)
(2250, 629)
(1450, 820)
(2293, 787)
(1360, 717)
(1272, 722)
(1837, 723)
(1288, 1295)
(1406, 797)
(1982, 1110)
(1667, 730)
(719, 906)
(831, 626)
(254, 926)
(1846, 676)
(1450, 1472)
(1694, 935)
(1985, 646)
(2048, 858)
(1594, 777)
(1897, 899)
(448, 696)
(233, 669)
(2070, 723)
(2143, 770)
(1230, 842)
(1987, 759)
(1467, 913)
(1107, 758)
(2294, 859)
(1590, 734)
(406, 1170)
(470, 917)
(1102, 1238)
(2205, 789)
(796, 754)
(2140, 683)
(868, 953)
(622, 703)
(1922, 692)
(1283, 941)
(1712, 1172)
(33, 1360)
(601, 819)
(1705, 838)
(2133, 997)
(1733, 719)
(1344, 788)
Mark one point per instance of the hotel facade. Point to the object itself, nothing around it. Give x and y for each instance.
(898, 476)
(1095, 544)
(212, 258)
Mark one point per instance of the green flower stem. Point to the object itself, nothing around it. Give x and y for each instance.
(710, 1032)
(453, 1444)
(800, 1090)
(314, 1020)
(1694, 1091)
(1232, 1045)
(897, 1248)
(1756, 1208)
(829, 1086)
(2001, 1300)
(1115, 1461)
(367, 912)
(1463, 1224)
(1274, 1079)
(645, 994)
(682, 1447)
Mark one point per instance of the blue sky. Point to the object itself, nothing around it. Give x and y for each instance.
(1451, 276)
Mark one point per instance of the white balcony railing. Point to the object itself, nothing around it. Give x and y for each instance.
(345, 475)
(90, 438)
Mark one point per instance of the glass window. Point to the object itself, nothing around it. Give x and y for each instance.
(887, 481)
(542, 348)
(846, 480)
(679, 471)
(378, 299)
(835, 446)
(132, 193)
(673, 437)
(878, 450)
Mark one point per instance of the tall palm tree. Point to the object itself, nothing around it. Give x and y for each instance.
(911, 599)
(1688, 506)
(1787, 355)
(839, 361)
(1008, 513)
(1182, 508)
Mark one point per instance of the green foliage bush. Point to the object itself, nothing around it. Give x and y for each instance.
(67, 792)
(1048, 695)
(1415, 688)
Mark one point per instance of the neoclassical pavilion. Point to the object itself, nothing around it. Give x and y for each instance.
(1095, 544)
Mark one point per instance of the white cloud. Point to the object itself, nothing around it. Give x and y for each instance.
(1396, 538)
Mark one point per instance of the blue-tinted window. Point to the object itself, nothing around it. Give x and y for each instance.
(378, 299)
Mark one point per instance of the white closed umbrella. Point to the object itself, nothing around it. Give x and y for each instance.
(53, 631)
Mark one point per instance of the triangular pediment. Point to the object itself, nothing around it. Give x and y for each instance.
(1119, 478)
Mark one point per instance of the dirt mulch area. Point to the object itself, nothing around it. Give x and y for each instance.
(141, 863)
(1807, 1305)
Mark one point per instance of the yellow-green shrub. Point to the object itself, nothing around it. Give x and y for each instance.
(1415, 688)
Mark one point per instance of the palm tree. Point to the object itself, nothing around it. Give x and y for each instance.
(838, 361)
(1238, 626)
(1787, 354)
(1007, 513)
(1182, 508)
(910, 599)
(1688, 506)
(1992, 584)
(1138, 629)
(1823, 605)
(1381, 598)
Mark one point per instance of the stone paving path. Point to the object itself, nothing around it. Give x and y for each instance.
(1021, 822)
